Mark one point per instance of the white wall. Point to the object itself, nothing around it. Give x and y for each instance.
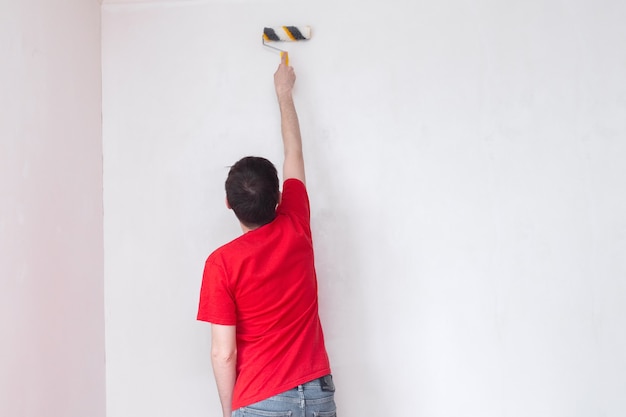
(51, 236)
(465, 166)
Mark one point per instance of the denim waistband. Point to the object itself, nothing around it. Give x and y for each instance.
(325, 382)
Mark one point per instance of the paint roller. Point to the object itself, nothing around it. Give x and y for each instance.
(285, 34)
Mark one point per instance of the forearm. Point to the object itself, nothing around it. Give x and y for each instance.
(224, 361)
(224, 369)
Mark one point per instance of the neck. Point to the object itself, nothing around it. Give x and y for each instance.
(245, 229)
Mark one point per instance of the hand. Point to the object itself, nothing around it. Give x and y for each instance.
(284, 77)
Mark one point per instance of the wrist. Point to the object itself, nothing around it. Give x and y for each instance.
(283, 95)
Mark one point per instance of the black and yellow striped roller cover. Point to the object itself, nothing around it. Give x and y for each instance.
(287, 33)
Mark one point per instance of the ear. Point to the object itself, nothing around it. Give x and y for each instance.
(227, 203)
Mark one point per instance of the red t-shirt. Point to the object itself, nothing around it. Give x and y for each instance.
(264, 283)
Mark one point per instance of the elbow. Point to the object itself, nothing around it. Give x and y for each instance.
(294, 151)
(224, 356)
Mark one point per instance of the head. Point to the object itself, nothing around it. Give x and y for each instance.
(252, 191)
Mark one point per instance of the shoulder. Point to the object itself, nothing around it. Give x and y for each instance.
(222, 254)
(295, 198)
(294, 183)
(294, 188)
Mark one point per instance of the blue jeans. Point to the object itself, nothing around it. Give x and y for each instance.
(313, 399)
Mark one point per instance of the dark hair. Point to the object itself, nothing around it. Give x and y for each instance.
(252, 190)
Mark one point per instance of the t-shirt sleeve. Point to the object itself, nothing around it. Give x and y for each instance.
(295, 201)
(217, 303)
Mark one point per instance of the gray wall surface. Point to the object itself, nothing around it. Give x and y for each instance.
(465, 163)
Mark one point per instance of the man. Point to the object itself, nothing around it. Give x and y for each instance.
(259, 291)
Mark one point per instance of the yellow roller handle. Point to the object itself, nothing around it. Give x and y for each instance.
(284, 55)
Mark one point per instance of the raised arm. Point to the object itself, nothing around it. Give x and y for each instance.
(284, 79)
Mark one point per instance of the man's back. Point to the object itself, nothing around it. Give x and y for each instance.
(264, 283)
